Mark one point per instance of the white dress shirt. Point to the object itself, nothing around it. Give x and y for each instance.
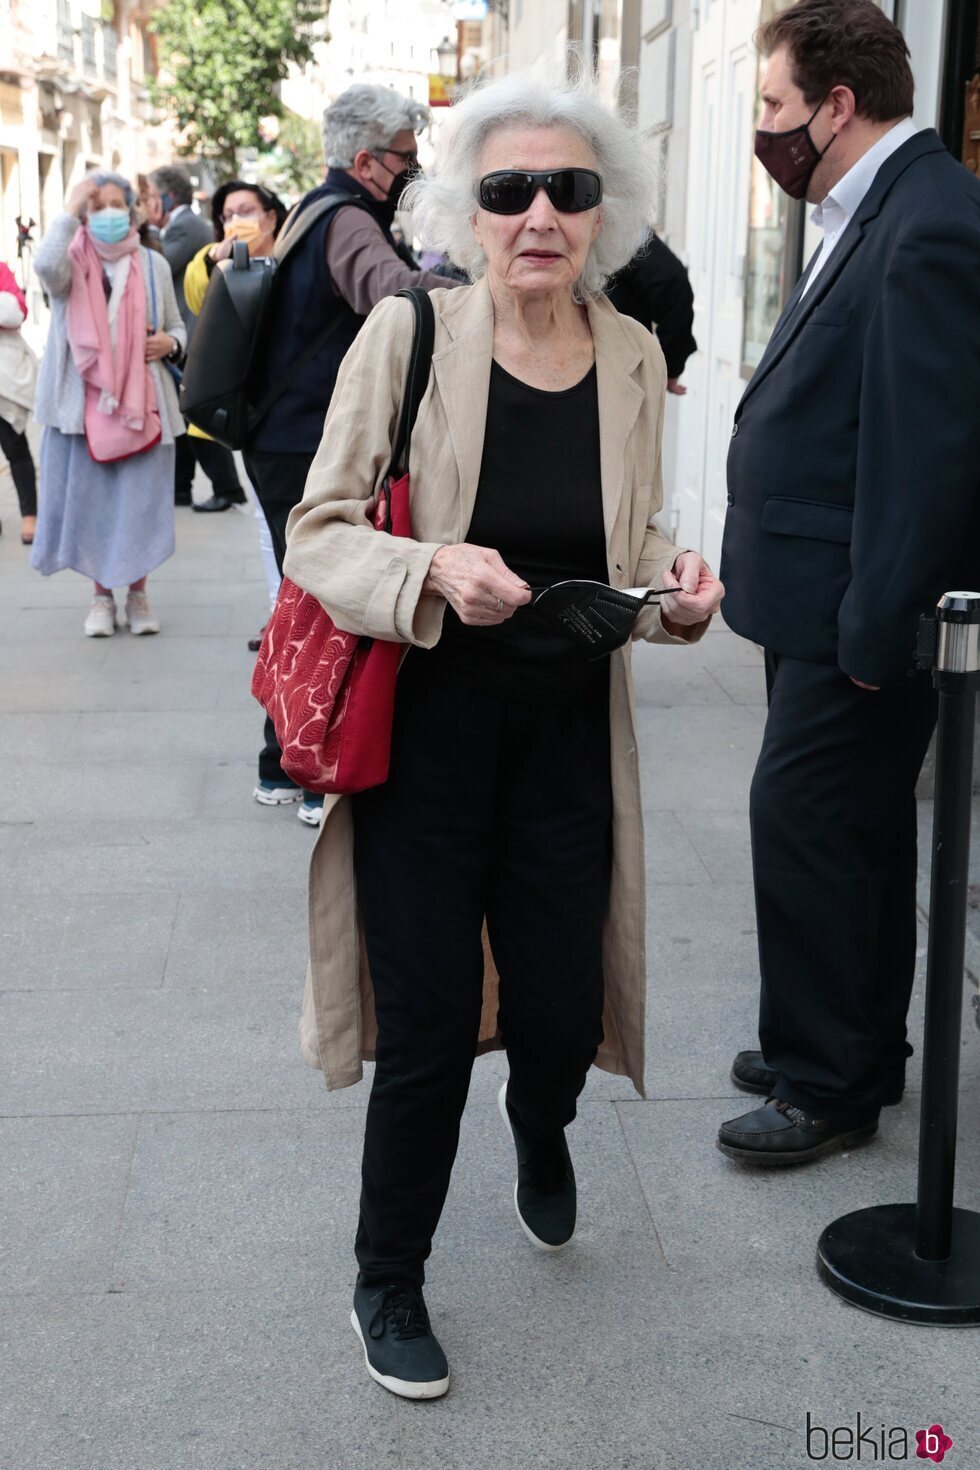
(845, 198)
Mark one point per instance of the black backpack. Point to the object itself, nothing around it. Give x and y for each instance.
(237, 313)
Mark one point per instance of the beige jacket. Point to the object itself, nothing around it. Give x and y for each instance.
(371, 583)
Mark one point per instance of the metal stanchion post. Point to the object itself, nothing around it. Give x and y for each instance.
(921, 1262)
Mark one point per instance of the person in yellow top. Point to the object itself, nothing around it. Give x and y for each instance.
(239, 211)
(253, 213)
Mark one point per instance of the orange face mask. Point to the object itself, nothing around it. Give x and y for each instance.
(244, 227)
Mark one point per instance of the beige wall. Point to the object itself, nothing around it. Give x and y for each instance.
(538, 33)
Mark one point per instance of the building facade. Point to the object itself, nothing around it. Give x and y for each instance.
(389, 43)
(74, 96)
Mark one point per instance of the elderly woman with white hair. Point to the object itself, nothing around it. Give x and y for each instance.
(512, 813)
(107, 403)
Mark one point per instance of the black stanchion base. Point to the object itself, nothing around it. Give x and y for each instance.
(869, 1259)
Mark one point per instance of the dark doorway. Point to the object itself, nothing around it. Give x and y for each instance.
(961, 63)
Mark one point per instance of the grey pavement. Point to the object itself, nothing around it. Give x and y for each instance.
(180, 1191)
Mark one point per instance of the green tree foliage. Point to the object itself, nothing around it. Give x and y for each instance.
(223, 60)
(295, 161)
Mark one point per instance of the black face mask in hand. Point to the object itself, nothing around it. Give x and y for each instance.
(595, 617)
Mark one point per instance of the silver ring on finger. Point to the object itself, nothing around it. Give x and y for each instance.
(500, 604)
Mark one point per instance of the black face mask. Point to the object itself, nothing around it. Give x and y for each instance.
(791, 157)
(397, 187)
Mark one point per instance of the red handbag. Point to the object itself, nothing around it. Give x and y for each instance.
(331, 694)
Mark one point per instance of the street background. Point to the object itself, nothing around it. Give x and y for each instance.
(180, 1190)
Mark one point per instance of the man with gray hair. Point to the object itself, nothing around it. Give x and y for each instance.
(332, 277)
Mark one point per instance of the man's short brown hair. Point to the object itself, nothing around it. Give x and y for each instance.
(844, 43)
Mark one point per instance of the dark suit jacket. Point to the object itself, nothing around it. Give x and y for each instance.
(182, 238)
(654, 289)
(854, 467)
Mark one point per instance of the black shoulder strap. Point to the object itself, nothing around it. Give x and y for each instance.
(417, 381)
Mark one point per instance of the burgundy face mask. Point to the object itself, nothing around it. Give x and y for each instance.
(790, 157)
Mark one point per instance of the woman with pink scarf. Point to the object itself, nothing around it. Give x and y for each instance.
(108, 403)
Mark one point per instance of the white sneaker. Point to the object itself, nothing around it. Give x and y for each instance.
(138, 614)
(311, 812)
(269, 794)
(101, 620)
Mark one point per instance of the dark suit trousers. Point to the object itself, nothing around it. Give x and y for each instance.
(833, 822)
(279, 481)
(217, 462)
(501, 806)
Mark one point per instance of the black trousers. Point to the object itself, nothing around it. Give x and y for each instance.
(496, 806)
(834, 856)
(217, 462)
(279, 481)
(17, 453)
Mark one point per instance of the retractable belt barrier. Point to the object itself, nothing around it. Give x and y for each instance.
(921, 1262)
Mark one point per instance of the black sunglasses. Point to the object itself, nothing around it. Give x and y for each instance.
(510, 190)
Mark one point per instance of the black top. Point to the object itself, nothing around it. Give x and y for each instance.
(539, 503)
(655, 290)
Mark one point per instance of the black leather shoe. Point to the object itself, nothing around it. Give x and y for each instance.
(183, 499)
(400, 1348)
(780, 1134)
(214, 503)
(750, 1074)
(544, 1195)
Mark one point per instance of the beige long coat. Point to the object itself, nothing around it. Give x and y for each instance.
(371, 583)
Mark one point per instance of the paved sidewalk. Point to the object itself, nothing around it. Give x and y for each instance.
(179, 1190)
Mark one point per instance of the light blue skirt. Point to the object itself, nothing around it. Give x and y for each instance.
(111, 522)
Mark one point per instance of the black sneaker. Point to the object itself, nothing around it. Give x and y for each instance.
(544, 1195)
(400, 1350)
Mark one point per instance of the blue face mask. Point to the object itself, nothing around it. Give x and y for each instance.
(110, 225)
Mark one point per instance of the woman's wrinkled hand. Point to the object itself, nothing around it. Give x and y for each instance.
(477, 584)
(221, 250)
(698, 593)
(158, 345)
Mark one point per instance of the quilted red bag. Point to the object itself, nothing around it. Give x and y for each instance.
(331, 694)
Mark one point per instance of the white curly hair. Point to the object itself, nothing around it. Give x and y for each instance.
(443, 202)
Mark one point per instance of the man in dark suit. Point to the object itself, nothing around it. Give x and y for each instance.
(183, 234)
(853, 505)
